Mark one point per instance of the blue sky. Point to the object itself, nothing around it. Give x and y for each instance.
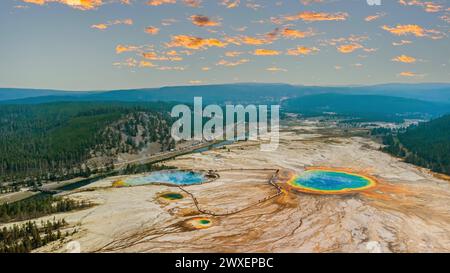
(115, 44)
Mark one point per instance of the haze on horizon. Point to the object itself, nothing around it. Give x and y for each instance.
(123, 44)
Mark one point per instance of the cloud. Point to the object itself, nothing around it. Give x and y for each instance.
(104, 26)
(230, 4)
(203, 21)
(146, 64)
(409, 74)
(234, 63)
(193, 3)
(166, 68)
(253, 6)
(416, 30)
(276, 69)
(428, 6)
(152, 30)
(445, 18)
(265, 39)
(310, 16)
(195, 82)
(265, 52)
(308, 2)
(168, 21)
(404, 59)
(233, 53)
(252, 40)
(130, 62)
(349, 48)
(402, 42)
(100, 26)
(295, 34)
(77, 4)
(160, 2)
(171, 55)
(192, 42)
(302, 50)
(374, 17)
(400, 30)
(126, 48)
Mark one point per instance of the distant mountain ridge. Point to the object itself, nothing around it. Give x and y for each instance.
(225, 93)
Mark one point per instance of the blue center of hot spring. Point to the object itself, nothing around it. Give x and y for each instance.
(171, 177)
(330, 180)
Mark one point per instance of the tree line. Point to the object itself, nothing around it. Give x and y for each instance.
(28, 236)
(426, 144)
(35, 207)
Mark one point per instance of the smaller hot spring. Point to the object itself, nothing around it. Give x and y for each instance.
(324, 181)
(178, 178)
(172, 196)
(199, 223)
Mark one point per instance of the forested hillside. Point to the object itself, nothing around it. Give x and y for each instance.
(365, 107)
(55, 141)
(426, 145)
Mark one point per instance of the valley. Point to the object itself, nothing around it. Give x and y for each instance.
(241, 211)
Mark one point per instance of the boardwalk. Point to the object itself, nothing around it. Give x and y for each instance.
(271, 182)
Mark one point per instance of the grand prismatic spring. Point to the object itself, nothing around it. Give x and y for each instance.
(330, 181)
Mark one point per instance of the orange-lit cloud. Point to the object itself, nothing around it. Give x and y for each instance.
(203, 21)
(416, 30)
(295, 34)
(428, 6)
(252, 40)
(152, 30)
(349, 48)
(405, 30)
(193, 3)
(130, 62)
(146, 64)
(160, 2)
(171, 55)
(125, 48)
(195, 82)
(409, 74)
(404, 59)
(302, 50)
(309, 16)
(104, 26)
(230, 4)
(374, 17)
(77, 4)
(265, 52)
(192, 42)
